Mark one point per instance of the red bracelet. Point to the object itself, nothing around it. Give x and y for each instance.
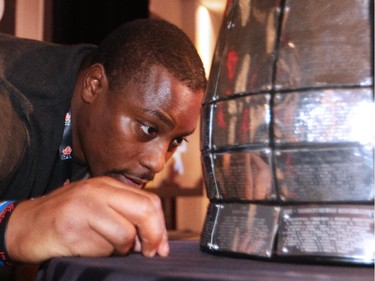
(6, 209)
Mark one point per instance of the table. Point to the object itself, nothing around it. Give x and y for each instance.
(187, 262)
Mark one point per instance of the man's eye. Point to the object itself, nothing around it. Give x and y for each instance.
(179, 141)
(148, 130)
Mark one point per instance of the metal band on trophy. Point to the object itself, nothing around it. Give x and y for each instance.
(287, 134)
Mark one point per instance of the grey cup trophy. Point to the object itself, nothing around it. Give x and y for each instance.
(288, 134)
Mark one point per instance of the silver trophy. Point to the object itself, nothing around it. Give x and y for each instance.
(287, 134)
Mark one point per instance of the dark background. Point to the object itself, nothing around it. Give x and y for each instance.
(88, 21)
(80, 21)
(7, 22)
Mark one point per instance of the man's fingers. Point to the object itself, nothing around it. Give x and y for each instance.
(141, 209)
(144, 211)
(137, 245)
(117, 230)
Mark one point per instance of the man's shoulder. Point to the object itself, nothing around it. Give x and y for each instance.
(13, 135)
(14, 50)
(43, 72)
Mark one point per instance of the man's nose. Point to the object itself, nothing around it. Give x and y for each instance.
(155, 158)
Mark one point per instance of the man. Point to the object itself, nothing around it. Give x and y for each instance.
(118, 112)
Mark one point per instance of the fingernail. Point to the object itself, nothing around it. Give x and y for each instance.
(150, 253)
(164, 249)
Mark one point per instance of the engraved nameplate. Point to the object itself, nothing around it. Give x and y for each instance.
(326, 174)
(206, 127)
(240, 228)
(324, 116)
(247, 61)
(345, 231)
(324, 43)
(245, 175)
(241, 121)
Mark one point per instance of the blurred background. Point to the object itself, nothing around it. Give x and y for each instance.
(181, 185)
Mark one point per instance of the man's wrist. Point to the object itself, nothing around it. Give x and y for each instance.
(6, 209)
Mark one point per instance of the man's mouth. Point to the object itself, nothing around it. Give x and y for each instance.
(128, 180)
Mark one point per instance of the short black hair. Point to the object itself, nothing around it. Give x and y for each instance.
(129, 52)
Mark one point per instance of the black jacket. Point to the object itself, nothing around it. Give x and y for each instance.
(36, 85)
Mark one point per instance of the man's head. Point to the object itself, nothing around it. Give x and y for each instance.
(136, 99)
(129, 51)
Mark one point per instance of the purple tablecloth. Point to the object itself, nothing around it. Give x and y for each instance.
(187, 262)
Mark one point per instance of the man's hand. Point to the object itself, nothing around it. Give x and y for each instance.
(94, 217)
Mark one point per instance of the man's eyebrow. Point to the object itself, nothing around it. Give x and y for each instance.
(159, 115)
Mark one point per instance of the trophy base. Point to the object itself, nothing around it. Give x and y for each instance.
(329, 233)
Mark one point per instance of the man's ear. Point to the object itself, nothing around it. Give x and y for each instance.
(95, 82)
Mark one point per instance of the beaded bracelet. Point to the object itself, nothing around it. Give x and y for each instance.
(6, 208)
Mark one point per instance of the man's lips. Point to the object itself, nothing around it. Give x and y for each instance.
(130, 181)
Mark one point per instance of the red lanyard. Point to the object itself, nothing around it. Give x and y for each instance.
(65, 150)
